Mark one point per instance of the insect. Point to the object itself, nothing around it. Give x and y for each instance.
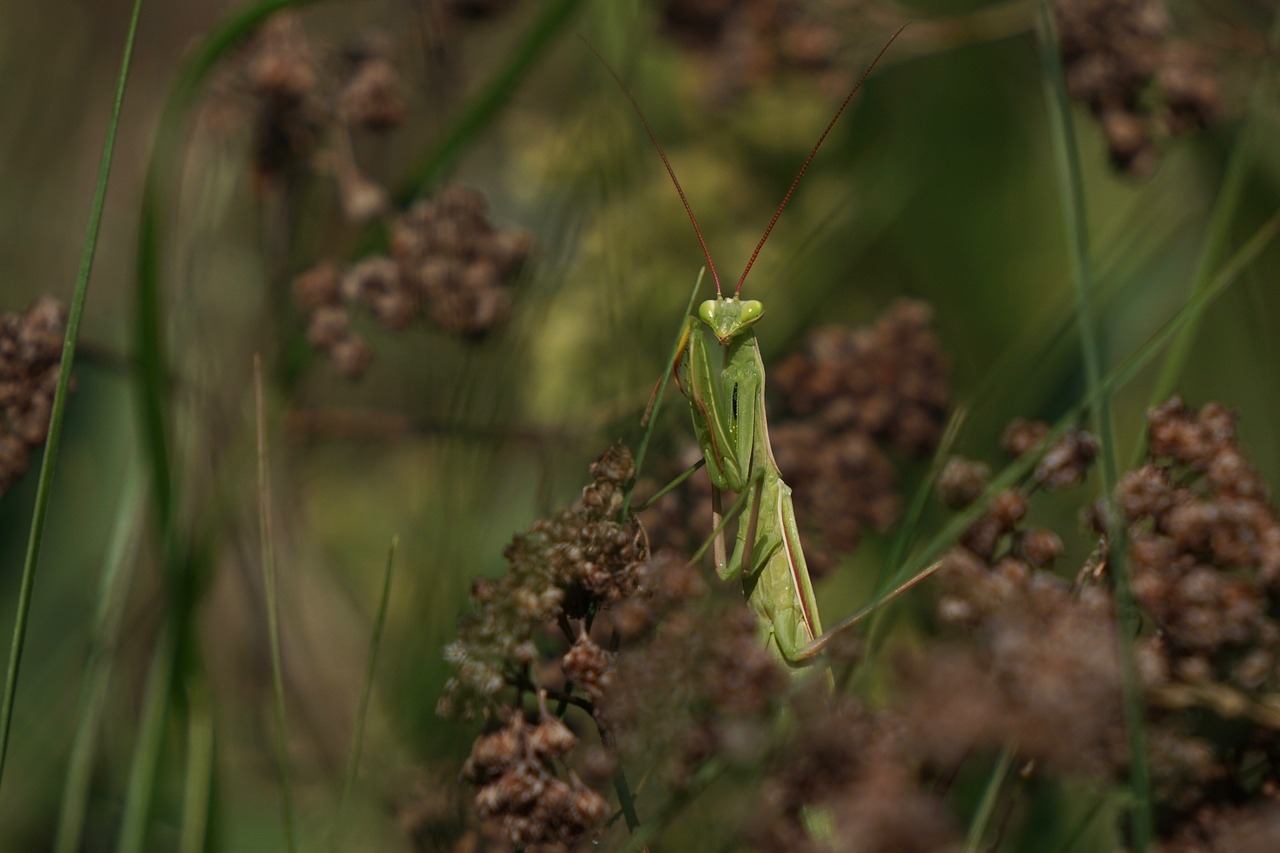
(728, 409)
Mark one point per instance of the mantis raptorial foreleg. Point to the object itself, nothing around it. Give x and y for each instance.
(727, 405)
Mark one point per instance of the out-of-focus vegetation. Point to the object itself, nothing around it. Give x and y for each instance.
(456, 389)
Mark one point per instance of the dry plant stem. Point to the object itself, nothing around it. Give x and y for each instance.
(60, 395)
(1071, 192)
(273, 619)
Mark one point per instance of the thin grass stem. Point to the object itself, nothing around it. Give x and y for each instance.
(990, 796)
(145, 765)
(1071, 194)
(47, 464)
(267, 541)
(1121, 374)
(651, 414)
(366, 693)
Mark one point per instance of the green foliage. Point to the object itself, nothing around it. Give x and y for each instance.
(150, 648)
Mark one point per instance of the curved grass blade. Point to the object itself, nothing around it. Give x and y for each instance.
(486, 106)
(47, 464)
(151, 360)
(651, 415)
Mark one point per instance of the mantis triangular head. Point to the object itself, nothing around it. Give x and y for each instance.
(730, 317)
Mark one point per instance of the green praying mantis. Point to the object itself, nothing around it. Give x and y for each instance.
(727, 404)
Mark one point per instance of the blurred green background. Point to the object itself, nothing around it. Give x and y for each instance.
(937, 184)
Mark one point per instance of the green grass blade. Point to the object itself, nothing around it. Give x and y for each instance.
(1116, 378)
(152, 363)
(1071, 193)
(146, 754)
(366, 692)
(990, 795)
(198, 785)
(50, 459)
(486, 106)
(1220, 222)
(273, 609)
(652, 415)
(118, 565)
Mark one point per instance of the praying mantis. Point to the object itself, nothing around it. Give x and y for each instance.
(727, 405)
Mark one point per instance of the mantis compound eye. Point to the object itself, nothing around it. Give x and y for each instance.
(707, 311)
(751, 311)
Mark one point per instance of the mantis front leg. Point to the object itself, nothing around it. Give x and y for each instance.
(732, 429)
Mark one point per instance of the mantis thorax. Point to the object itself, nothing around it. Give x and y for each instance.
(730, 317)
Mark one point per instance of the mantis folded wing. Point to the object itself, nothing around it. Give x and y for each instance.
(733, 432)
(729, 418)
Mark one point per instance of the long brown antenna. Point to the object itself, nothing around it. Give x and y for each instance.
(663, 154)
(786, 198)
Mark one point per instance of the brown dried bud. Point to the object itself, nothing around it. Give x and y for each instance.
(317, 286)
(962, 480)
(1021, 435)
(329, 325)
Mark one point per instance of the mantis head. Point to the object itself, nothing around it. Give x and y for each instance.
(729, 318)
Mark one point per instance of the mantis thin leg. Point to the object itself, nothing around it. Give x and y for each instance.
(665, 490)
(812, 650)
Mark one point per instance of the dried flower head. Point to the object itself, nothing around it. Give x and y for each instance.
(519, 789)
(447, 262)
(564, 567)
(1117, 54)
(30, 358)
(752, 41)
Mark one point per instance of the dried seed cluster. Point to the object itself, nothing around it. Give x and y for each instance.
(757, 40)
(519, 789)
(1122, 60)
(1025, 658)
(859, 771)
(562, 568)
(1039, 667)
(999, 533)
(1204, 550)
(696, 681)
(846, 394)
(298, 96)
(30, 357)
(447, 263)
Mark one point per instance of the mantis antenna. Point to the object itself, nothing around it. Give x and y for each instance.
(688, 208)
(805, 166)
